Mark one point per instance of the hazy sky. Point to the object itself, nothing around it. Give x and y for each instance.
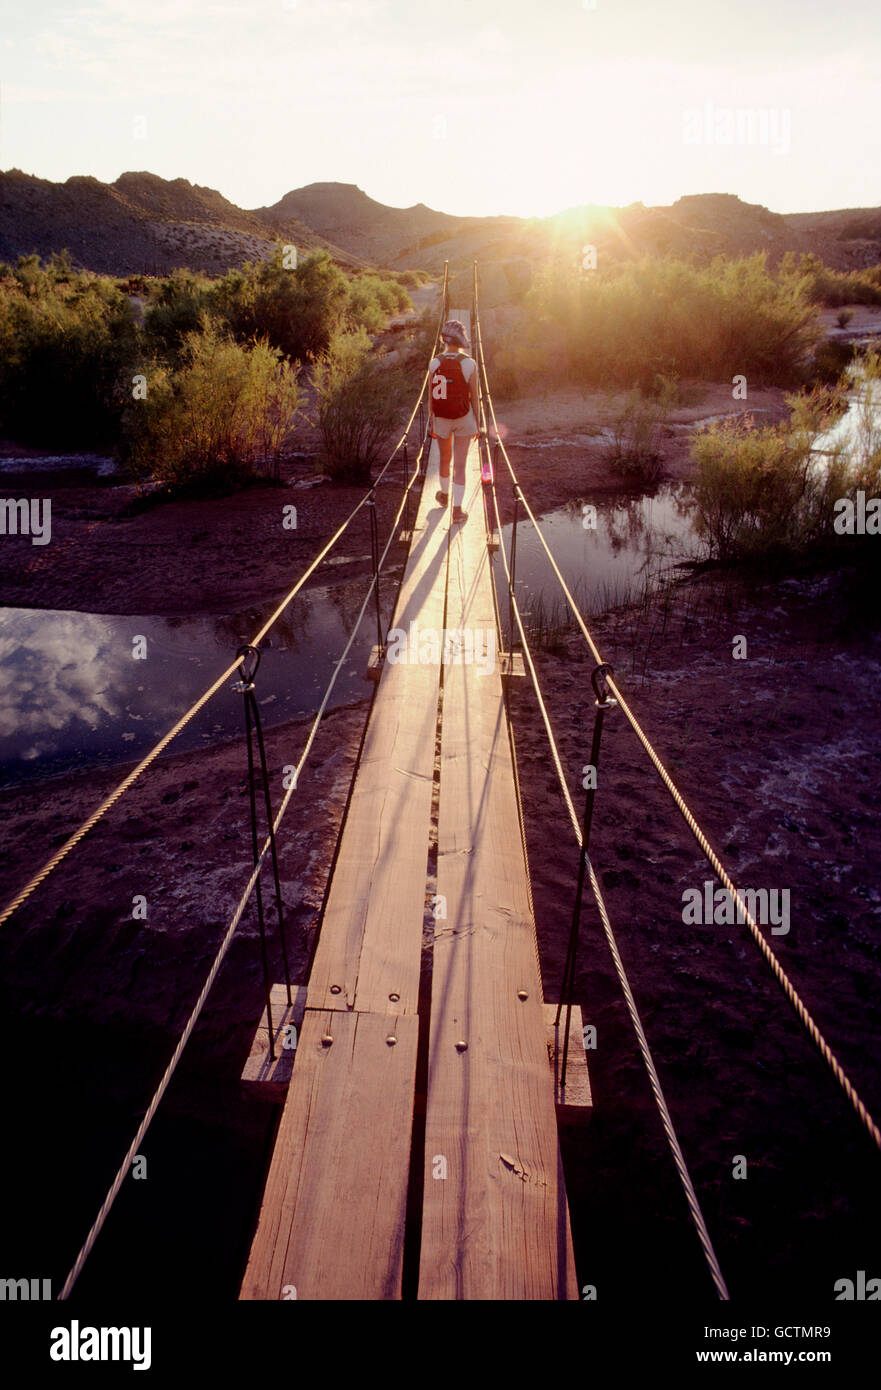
(469, 106)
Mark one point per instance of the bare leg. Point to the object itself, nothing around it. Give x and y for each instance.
(460, 451)
(460, 446)
(445, 449)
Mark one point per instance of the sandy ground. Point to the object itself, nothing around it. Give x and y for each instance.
(865, 320)
(778, 755)
(217, 555)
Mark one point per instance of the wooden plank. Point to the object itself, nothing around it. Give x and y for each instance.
(374, 663)
(511, 667)
(331, 1224)
(497, 1224)
(263, 1078)
(573, 1102)
(369, 949)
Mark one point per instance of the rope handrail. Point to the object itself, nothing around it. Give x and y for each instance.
(803, 1013)
(109, 801)
(161, 1088)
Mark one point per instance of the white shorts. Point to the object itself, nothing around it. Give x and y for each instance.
(463, 428)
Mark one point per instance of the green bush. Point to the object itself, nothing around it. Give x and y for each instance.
(372, 299)
(296, 310)
(626, 325)
(222, 415)
(764, 493)
(68, 348)
(831, 358)
(360, 402)
(832, 287)
(179, 302)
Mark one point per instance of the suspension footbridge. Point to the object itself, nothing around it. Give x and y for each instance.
(417, 1151)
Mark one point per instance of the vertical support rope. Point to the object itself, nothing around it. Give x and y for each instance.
(512, 577)
(258, 890)
(279, 906)
(567, 989)
(374, 555)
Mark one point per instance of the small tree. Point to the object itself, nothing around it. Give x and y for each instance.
(296, 310)
(359, 403)
(222, 415)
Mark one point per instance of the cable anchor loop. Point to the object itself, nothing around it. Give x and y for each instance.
(599, 679)
(247, 669)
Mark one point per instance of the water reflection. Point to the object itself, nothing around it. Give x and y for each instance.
(636, 538)
(73, 692)
(857, 432)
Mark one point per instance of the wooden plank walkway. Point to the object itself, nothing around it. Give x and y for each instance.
(496, 1225)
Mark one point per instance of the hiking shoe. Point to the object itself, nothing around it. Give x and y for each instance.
(459, 515)
(442, 497)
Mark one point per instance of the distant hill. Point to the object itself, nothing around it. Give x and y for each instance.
(344, 214)
(139, 224)
(146, 224)
(699, 227)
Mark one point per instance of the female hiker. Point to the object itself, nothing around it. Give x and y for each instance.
(453, 408)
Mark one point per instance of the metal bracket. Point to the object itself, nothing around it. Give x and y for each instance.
(599, 679)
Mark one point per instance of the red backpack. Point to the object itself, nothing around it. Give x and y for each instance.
(450, 392)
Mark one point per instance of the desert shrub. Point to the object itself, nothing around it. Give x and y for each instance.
(297, 310)
(635, 450)
(626, 325)
(763, 493)
(68, 347)
(179, 302)
(372, 298)
(831, 358)
(868, 367)
(359, 403)
(222, 414)
(829, 287)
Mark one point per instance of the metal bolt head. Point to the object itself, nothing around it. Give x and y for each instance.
(326, 1040)
(336, 989)
(391, 1040)
(394, 998)
(521, 994)
(461, 1045)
